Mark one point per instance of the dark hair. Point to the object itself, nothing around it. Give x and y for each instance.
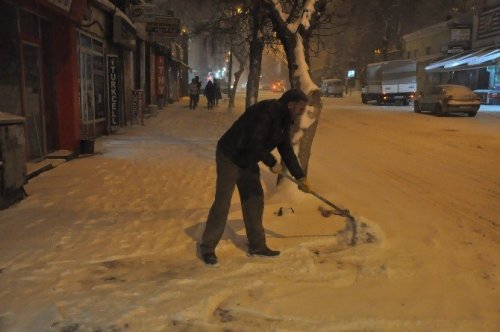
(293, 95)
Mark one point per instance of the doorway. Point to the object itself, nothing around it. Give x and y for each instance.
(32, 99)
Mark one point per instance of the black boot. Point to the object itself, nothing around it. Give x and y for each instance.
(209, 258)
(266, 252)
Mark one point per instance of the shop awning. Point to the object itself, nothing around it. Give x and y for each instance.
(488, 56)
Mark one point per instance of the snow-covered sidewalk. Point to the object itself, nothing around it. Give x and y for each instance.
(108, 243)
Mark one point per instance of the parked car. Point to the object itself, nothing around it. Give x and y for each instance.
(278, 86)
(447, 98)
(488, 97)
(332, 86)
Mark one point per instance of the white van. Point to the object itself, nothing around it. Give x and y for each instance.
(332, 87)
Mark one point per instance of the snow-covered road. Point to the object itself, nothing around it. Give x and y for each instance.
(108, 242)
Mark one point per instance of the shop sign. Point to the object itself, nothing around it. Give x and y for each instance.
(162, 28)
(160, 75)
(69, 8)
(144, 13)
(62, 4)
(489, 24)
(152, 74)
(123, 32)
(114, 96)
(455, 50)
(460, 34)
(137, 106)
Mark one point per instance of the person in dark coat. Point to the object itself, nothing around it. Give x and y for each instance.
(210, 94)
(263, 127)
(218, 93)
(198, 82)
(194, 94)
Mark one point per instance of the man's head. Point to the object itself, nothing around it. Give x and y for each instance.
(296, 102)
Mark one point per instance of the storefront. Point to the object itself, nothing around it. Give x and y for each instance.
(177, 72)
(92, 86)
(38, 71)
(476, 69)
(107, 41)
(157, 75)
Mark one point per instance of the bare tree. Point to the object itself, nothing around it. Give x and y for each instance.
(291, 21)
(226, 31)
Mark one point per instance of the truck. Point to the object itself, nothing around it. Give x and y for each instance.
(390, 81)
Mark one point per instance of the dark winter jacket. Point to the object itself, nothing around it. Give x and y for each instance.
(210, 90)
(263, 127)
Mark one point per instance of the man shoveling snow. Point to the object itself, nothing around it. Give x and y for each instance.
(263, 127)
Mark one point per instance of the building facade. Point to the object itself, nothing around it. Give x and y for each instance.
(38, 71)
(76, 70)
(478, 67)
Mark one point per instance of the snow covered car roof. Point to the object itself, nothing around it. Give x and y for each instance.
(457, 90)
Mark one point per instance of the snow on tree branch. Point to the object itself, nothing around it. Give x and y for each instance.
(304, 19)
(307, 13)
(277, 4)
(306, 83)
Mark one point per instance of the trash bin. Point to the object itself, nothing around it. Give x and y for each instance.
(13, 172)
(87, 146)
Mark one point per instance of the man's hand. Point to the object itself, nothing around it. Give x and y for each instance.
(276, 169)
(304, 185)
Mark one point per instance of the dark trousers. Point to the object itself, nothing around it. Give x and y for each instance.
(210, 103)
(247, 181)
(193, 101)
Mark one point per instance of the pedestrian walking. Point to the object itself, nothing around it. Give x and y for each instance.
(218, 93)
(260, 129)
(197, 78)
(210, 94)
(194, 94)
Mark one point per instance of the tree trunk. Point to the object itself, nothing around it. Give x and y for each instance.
(304, 136)
(237, 76)
(302, 133)
(305, 143)
(256, 49)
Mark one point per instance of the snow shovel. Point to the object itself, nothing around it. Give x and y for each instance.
(351, 221)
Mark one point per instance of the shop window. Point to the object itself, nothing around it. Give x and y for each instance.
(32, 100)
(92, 84)
(85, 41)
(10, 92)
(494, 77)
(28, 24)
(99, 87)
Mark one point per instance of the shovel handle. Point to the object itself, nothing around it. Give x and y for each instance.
(342, 212)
